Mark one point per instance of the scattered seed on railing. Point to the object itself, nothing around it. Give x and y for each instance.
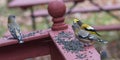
(90, 56)
(32, 33)
(87, 44)
(65, 35)
(81, 56)
(90, 52)
(37, 31)
(23, 35)
(40, 31)
(73, 45)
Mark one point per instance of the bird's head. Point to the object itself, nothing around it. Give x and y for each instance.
(11, 18)
(77, 21)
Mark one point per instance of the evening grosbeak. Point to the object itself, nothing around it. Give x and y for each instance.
(14, 28)
(86, 27)
(85, 35)
(81, 35)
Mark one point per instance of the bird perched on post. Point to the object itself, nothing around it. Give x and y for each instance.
(14, 28)
(83, 34)
(79, 33)
(86, 27)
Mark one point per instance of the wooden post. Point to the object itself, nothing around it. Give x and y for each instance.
(62, 48)
(57, 10)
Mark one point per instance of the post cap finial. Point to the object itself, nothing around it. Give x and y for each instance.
(56, 9)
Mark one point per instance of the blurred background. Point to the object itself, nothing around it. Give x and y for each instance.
(93, 18)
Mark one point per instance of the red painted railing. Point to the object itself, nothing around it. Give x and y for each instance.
(44, 42)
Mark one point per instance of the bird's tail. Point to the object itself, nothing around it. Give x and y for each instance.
(97, 33)
(103, 41)
(95, 38)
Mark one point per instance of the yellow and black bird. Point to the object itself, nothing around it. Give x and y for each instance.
(86, 27)
(79, 32)
(82, 34)
(14, 28)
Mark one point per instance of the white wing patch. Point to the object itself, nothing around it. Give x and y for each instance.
(91, 28)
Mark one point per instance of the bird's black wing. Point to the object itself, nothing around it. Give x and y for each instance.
(12, 30)
(93, 30)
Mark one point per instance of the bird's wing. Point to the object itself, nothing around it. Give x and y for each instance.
(90, 28)
(17, 30)
(83, 33)
(87, 27)
(12, 30)
(93, 31)
(17, 27)
(75, 28)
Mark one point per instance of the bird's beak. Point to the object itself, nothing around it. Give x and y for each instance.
(75, 20)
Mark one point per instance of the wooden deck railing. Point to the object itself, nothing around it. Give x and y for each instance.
(44, 42)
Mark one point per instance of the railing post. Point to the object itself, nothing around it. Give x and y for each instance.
(57, 10)
(65, 46)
